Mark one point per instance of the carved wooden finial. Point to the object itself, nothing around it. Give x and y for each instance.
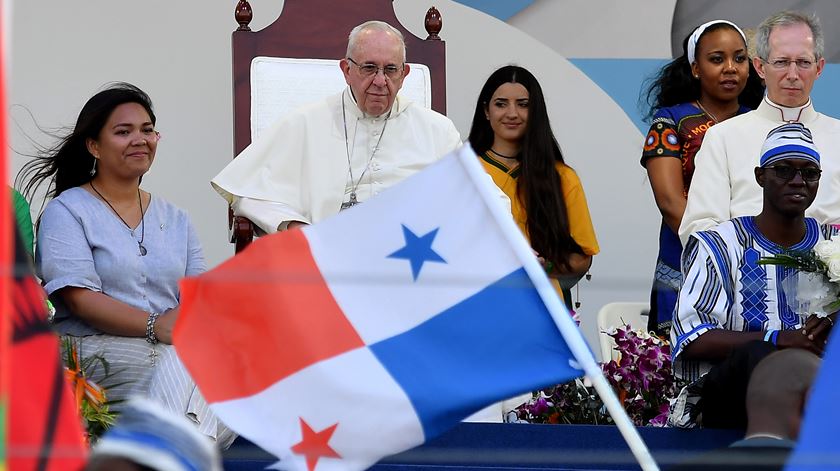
(244, 15)
(434, 23)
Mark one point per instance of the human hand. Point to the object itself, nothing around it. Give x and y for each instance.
(801, 338)
(819, 328)
(164, 325)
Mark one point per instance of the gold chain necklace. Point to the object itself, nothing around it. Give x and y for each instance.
(700, 105)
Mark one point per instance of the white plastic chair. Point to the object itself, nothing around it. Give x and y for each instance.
(617, 315)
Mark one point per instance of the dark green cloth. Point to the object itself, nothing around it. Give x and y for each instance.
(24, 221)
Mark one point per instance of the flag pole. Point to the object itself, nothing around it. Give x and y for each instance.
(570, 332)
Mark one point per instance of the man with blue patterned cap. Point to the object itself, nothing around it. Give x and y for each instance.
(732, 311)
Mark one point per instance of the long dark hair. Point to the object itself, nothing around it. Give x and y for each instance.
(538, 186)
(68, 163)
(675, 83)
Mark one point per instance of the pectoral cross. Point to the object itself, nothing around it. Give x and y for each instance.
(353, 201)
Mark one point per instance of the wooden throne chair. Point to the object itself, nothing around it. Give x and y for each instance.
(294, 61)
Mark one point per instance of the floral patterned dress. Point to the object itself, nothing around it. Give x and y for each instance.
(675, 132)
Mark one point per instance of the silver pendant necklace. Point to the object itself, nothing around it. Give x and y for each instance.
(353, 201)
(142, 248)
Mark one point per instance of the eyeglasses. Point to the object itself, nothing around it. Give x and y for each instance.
(787, 173)
(784, 64)
(391, 71)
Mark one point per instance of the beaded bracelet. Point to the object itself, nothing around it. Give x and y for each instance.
(771, 336)
(150, 328)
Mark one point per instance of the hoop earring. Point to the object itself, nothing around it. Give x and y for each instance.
(93, 169)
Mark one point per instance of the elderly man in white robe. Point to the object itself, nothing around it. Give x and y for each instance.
(343, 150)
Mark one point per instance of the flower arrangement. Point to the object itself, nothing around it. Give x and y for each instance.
(91, 398)
(641, 377)
(816, 288)
(575, 402)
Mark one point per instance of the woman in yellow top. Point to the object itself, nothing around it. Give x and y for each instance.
(512, 135)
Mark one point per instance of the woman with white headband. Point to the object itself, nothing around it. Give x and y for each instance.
(712, 81)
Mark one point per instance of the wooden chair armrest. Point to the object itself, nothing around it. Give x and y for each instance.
(241, 232)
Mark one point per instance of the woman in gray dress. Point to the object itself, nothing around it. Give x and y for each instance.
(111, 254)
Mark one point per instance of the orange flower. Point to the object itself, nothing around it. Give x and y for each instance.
(82, 387)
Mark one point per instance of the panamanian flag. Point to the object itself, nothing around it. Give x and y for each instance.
(375, 330)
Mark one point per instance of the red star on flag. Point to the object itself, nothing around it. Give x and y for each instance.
(315, 445)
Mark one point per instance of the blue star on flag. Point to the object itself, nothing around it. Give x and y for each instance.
(418, 250)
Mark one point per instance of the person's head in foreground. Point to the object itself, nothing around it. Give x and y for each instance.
(147, 437)
(778, 391)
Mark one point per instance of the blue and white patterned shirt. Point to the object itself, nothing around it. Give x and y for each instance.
(725, 288)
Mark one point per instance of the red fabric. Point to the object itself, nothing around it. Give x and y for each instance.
(275, 274)
(45, 428)
(5, 262)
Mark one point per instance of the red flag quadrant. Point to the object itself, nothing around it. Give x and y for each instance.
(43, 427)
(377, 329)
(257, 349)
(6, 258)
